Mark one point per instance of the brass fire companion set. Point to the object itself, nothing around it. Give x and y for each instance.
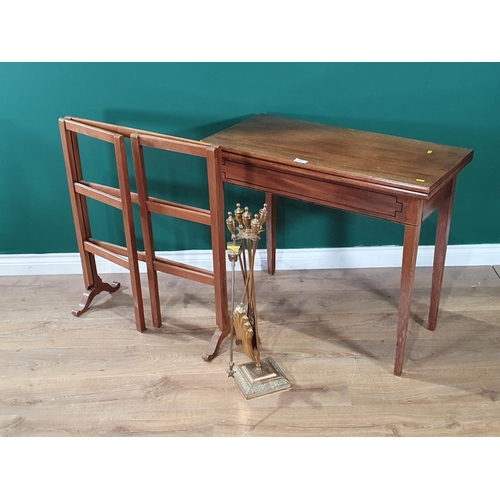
(258, 377)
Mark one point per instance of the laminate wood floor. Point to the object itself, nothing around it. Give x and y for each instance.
(333, 333)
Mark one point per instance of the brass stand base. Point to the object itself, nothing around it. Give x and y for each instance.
(253, 382)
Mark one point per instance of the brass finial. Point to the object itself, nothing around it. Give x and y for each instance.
(238, 213)
(247, 219)
(263, 214)
(231, 224)
(255, 225)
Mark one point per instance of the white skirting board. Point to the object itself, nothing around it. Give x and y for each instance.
(303, 258)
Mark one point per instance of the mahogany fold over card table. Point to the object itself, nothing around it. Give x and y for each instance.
(392, 178)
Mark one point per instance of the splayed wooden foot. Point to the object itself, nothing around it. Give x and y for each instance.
(215, 343)
(92, 292)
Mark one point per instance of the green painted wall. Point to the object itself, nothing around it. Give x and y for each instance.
(455, 104)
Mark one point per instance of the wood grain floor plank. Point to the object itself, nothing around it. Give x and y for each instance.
(331, 331)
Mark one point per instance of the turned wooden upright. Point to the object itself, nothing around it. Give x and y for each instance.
(382, 176)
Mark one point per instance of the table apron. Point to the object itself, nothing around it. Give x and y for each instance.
(397, 207)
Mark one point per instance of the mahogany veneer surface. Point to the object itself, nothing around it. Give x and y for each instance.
(346, 153)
